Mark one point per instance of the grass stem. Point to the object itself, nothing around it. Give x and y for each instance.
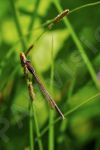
(37, 129)
(31, 127)
(51, 118)
(84, 6)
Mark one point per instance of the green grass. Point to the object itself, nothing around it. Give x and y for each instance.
(74, 93)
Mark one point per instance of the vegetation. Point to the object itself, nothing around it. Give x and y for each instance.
(66, 57)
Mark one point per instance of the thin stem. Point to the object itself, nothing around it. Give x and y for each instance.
(79, 46)
(31, 127)
(84, 6)
(51, 118)
(37, 129)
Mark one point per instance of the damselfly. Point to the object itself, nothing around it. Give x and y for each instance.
(26, 63)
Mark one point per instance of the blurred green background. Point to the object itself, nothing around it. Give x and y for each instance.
(67, 60)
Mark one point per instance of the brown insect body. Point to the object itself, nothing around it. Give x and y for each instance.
(27, 64)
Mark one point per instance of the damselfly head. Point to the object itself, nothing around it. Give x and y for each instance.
(22, 58)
